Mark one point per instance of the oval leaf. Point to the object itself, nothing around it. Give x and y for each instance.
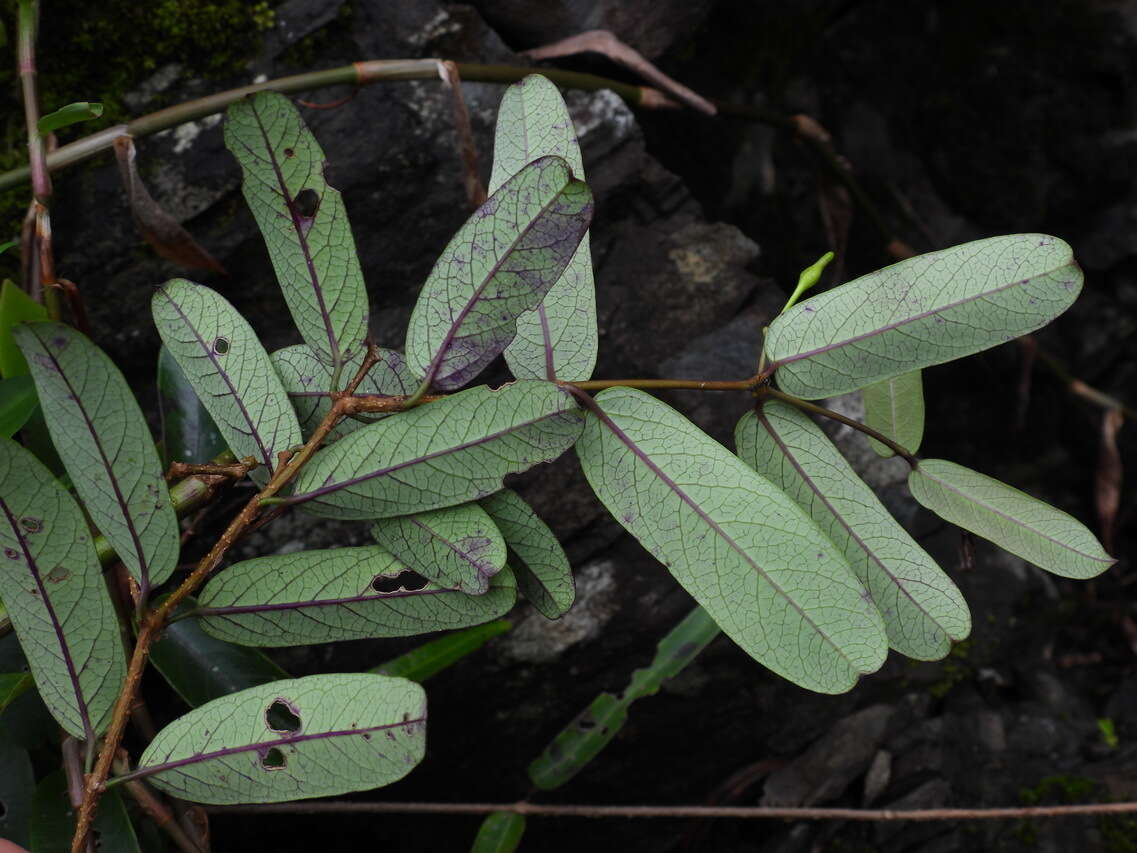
(542, 569)
(292, 739)
(188, 432)
(1013, 520)
(501, 263)
(308, 380)
(458, 547)
(105, 444)
(17, 402)
(304, 224)
(432, 657)
(557, 339)
(923, 610)
(500, 832)
(751, 556)
(227, 366)
(922, 311)
(895, 407)
(53, 586)
(444, 453)
(338, 594)
(15, 307)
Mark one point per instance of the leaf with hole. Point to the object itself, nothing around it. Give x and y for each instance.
(895, 408)
(222, 359)
(558, 338)
(17, 402)
(542, 569)
(290, 740)
(201, 667)
(923, 610)
(751, 556)
(57, 600)
(188, 432)
(440, 454)
(500, 832)
(304, 224)
(308, 380)
(594, 728)
(1013, 520)
(339, 594)
(15, 307)
(923, 311)
(432, 657)
(103, 439)
(501, 263)
(458, 547)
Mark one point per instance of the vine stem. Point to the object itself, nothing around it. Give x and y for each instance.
(152, 625)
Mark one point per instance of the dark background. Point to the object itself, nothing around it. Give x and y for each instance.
(961, 120)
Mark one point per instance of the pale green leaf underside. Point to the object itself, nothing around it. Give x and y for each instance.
(895, 408)
(440, 454)
(308, 380)
(558, 339)
(355, 731)
(230, 370)
(923, 610)
(501, 263)
(543, 571)
(746, 552)
(1013, 520)
(102, 437)
(326, 596)
(922, 311)
(314, 256)
(458, 547)
(52, 584)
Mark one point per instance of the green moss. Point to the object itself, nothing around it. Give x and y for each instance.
(954, 670)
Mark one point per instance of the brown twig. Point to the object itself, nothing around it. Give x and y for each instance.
(75, 303)
(467, 148)
(156, 810)
(234, 471)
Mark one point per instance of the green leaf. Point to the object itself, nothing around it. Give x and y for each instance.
(304, 224)
(291, 740)
(15, 307)
(923, 610)
(432, 657)
(188, 432)
(922, 311)
(443, 453)
(16, 787)
(542, 569)
(895, 407)
(17, 402)
(12, 684)
(53, 820)
(338, 594)
(760, 566)
(458, 547)
(308, 381)
(10, 244)
(105, 444)
(69, 115)
(202, 668)
(1013, 520)
(500, 264)
(53, 586)
(595, 727)
(227, 366)
(500, 832)
(558, 338)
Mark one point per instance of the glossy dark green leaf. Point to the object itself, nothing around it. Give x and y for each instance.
(500, 832)
(15, 307)
(433, 657)
(53, 820)
(17, 784)
(593, 729)
(188, 432)
(17, 402)
(202, 668)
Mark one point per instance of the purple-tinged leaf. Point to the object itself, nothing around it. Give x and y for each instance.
(52, 584)
(291, 740)
(500, 264)
(103, 439)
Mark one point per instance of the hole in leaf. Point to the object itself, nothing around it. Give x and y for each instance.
(282, 717)
(221, 346)
(307, 202)
(32, 525)
(405, 580)
(586, 725)
(273, 760)
(288, 152)
(11, 553)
